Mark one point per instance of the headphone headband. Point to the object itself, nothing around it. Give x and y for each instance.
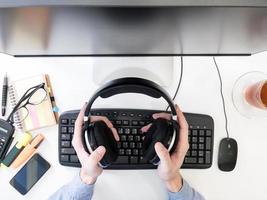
(130, 85)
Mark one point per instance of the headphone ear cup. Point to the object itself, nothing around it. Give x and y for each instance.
(158, 132)
(101, 135)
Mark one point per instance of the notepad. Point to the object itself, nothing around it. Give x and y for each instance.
(41, 115)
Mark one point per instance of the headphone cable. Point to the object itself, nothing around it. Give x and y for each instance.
(179, 83)
(223, 101)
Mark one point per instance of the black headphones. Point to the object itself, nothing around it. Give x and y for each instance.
(161, 130)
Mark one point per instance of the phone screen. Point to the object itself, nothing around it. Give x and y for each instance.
(30, 173)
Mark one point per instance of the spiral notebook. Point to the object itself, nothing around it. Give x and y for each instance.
(39, 116)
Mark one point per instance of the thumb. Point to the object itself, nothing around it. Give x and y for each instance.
(162, 153)
(98, 154)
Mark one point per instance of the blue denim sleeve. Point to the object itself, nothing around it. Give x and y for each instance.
(186, 193)
(75, 190)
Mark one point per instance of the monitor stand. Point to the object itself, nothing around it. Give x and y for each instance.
(157, 69)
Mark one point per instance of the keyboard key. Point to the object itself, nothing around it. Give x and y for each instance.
(128, 152)
(194, 146)
(132, 145)
(64, 158)
(64, 129)
(140, 152)
(190, 160)
(64, 121)
(208, 143)
(208, 133)
(65, 143)
(201, 133)
(65, 136)
(72, 121)
(139, 145)
(67, 151)
(123, 114)
(121, 152)
(201, 153)
(131, 114)
(127, 131)
(133, 159)
(142, 160)
(130, 138)
(74, 158)
(201, 139)
(135, 152)
(200, 160)
(134, 123)
(120, 130)
(123, 138)
(115, 114)
(207, 157)
(134, 131)
(194, 132)
(71, 129)
(142, 123)
(139, 115)
(107, 114)
(125, 145)
(201, 146)
(122, 160)
(125, 122)
(118, 122)
(194, 139)
(194, 153)
(137, 138)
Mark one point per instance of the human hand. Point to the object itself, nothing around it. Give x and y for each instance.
(90, 169)
(169, 166)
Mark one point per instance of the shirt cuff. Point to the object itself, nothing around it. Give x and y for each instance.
(184, 192)
(80, 189)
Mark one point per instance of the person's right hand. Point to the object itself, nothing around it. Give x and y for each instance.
(170, 165)
(90, 169)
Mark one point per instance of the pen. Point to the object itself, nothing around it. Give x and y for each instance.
(28, 151)
(4, 95)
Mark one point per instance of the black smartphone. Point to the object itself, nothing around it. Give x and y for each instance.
(30, 173)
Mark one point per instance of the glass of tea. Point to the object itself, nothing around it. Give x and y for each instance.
(256, 94)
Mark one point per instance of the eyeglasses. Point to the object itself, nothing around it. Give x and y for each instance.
(33, 96)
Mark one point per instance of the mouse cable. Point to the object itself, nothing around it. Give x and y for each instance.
(179, 83)
(223, 101)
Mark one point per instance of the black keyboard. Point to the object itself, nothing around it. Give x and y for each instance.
(128, 123)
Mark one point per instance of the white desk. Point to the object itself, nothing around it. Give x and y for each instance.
(199, 93)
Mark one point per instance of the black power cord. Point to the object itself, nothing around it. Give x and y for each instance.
(180, 80)
(223, 101)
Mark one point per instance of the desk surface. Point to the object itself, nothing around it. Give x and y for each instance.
(199, 93)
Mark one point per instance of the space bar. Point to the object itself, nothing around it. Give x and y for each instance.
(122, 160)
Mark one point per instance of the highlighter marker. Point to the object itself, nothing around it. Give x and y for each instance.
(28, 151)
(16, 149)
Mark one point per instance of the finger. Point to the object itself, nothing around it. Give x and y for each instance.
(79, 120)
(162, 115)
(162, 153)
(182, 145)
(181, 118)
(102, 118)
(115, 134)
(145, 128)
(97, 154)
(77, 141)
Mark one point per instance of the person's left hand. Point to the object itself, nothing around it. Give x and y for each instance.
(169, 167)
(90, 169)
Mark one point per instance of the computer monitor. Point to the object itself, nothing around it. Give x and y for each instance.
(132, 28)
